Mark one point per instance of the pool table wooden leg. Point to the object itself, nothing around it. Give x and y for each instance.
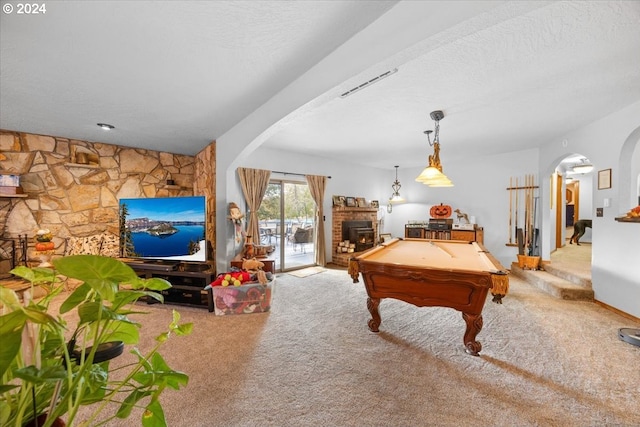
(474, 326)
(372, 305)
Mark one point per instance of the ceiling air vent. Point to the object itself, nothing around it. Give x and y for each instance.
(369, 83)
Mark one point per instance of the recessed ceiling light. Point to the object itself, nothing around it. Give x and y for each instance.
(106, 126)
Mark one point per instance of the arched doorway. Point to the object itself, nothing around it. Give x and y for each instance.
(574, 201)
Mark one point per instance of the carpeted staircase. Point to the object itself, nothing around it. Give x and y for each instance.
(557, 281)
(567, 276)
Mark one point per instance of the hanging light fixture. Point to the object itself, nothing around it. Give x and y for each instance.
(583, 167)
(395, 196)
(432, 175)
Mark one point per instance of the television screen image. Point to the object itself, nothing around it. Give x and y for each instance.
(164, 228)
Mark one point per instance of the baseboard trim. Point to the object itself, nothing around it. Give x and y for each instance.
(620, 312)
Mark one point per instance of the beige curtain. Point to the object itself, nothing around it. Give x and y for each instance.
(317, 185)
(254, 184)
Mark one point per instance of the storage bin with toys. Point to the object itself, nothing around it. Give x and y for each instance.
(243, 291)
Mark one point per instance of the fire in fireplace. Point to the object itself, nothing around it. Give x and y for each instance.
(359, 232)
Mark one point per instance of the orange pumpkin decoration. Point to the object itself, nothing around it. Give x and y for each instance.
(44, 246)
(440, 211)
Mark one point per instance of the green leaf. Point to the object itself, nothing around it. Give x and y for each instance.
(175, 379)
(103, 274)
(181, 330)
(5, 410)
(126, 296)
(127, 332)
(78, 295)
(38, 376)
(184, 329)
(94, 311)
(11, 322)
(35, 275)
(153, 416)
(9, 298)
(156, 284)
(155, 295)
(7, 387)
(160, 373)
(37, 315)
(12, 326)
(130, 402)
(97, 378)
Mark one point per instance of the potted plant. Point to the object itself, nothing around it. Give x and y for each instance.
(49, 370)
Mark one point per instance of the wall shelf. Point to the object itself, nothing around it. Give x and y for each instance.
(628, 219)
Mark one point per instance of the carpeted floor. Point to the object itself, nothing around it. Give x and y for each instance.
(312, 361)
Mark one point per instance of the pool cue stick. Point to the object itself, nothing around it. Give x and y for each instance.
(510, 208)
(526, 213)
(442, 249)
(530, 213)
(530, 190)
(524, 188)
(517, 190)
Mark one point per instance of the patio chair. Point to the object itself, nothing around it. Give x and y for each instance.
(301, 237)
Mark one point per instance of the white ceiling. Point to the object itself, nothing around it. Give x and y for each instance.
(173, 76)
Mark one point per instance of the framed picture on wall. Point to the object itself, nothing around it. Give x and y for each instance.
(361, 202)
(351, 202)
(338, 200)
(604, 179)
(375, 204)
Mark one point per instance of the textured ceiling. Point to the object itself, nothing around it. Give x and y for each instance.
(174, 76)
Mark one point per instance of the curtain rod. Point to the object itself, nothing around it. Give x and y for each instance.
(292, 173)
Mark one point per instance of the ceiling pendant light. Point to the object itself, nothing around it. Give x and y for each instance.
(395, 196)
(105, 126)
(583, 167)
(432, 175)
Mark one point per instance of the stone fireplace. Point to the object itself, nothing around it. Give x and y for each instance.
(364, 223)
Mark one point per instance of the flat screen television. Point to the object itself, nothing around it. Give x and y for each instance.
(164, 228)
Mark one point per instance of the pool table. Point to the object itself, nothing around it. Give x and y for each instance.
(432, 273)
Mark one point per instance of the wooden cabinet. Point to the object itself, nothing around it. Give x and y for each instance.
(269, 264)
(476, 235)
(414, 232)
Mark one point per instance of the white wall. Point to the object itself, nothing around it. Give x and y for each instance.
(610, 143)
(346, 179)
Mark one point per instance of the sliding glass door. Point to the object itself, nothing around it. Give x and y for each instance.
(286, 222)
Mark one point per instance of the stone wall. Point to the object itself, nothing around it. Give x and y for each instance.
(205, 184)
(72, 187)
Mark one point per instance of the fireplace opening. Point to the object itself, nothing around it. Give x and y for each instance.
(360, 233)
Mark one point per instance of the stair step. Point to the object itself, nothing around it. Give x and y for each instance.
(554, 285)
(570, 274)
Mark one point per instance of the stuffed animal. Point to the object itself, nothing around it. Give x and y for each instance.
(252, 264)
(235, 215)
(262, 277)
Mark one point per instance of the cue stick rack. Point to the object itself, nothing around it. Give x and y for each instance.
(523, 214)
